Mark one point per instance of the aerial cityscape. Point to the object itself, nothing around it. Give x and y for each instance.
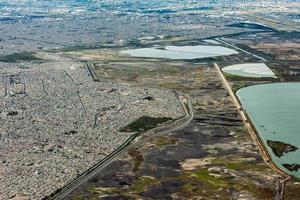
(104, 99)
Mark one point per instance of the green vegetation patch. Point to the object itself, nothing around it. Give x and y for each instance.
(144, 123)
(239, 84)
(26, 56)
(280, 148)
(139, 186)
(164, 141)
(169, 37)
(232, 77)
(142, 183)
(204, 176)
(138, 159)
(78, 198)
(239, 165)
(201, 182)
(101, 190)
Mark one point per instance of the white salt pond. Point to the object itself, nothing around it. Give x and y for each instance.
(256, 70)
(180, 52)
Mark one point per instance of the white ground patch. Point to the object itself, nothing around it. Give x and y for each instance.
(212, 41)
(257, 70)
(192, 164)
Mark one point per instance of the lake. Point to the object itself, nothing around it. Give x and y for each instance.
(274, 110)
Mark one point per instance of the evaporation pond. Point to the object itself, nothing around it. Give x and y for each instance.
(255, 70)
(274, 110)
(180, 52)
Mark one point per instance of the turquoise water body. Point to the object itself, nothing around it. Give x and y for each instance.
(274, 110)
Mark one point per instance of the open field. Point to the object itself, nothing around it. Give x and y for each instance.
(213, 153)
(283, 50)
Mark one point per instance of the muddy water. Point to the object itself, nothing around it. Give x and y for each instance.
(274, 110)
